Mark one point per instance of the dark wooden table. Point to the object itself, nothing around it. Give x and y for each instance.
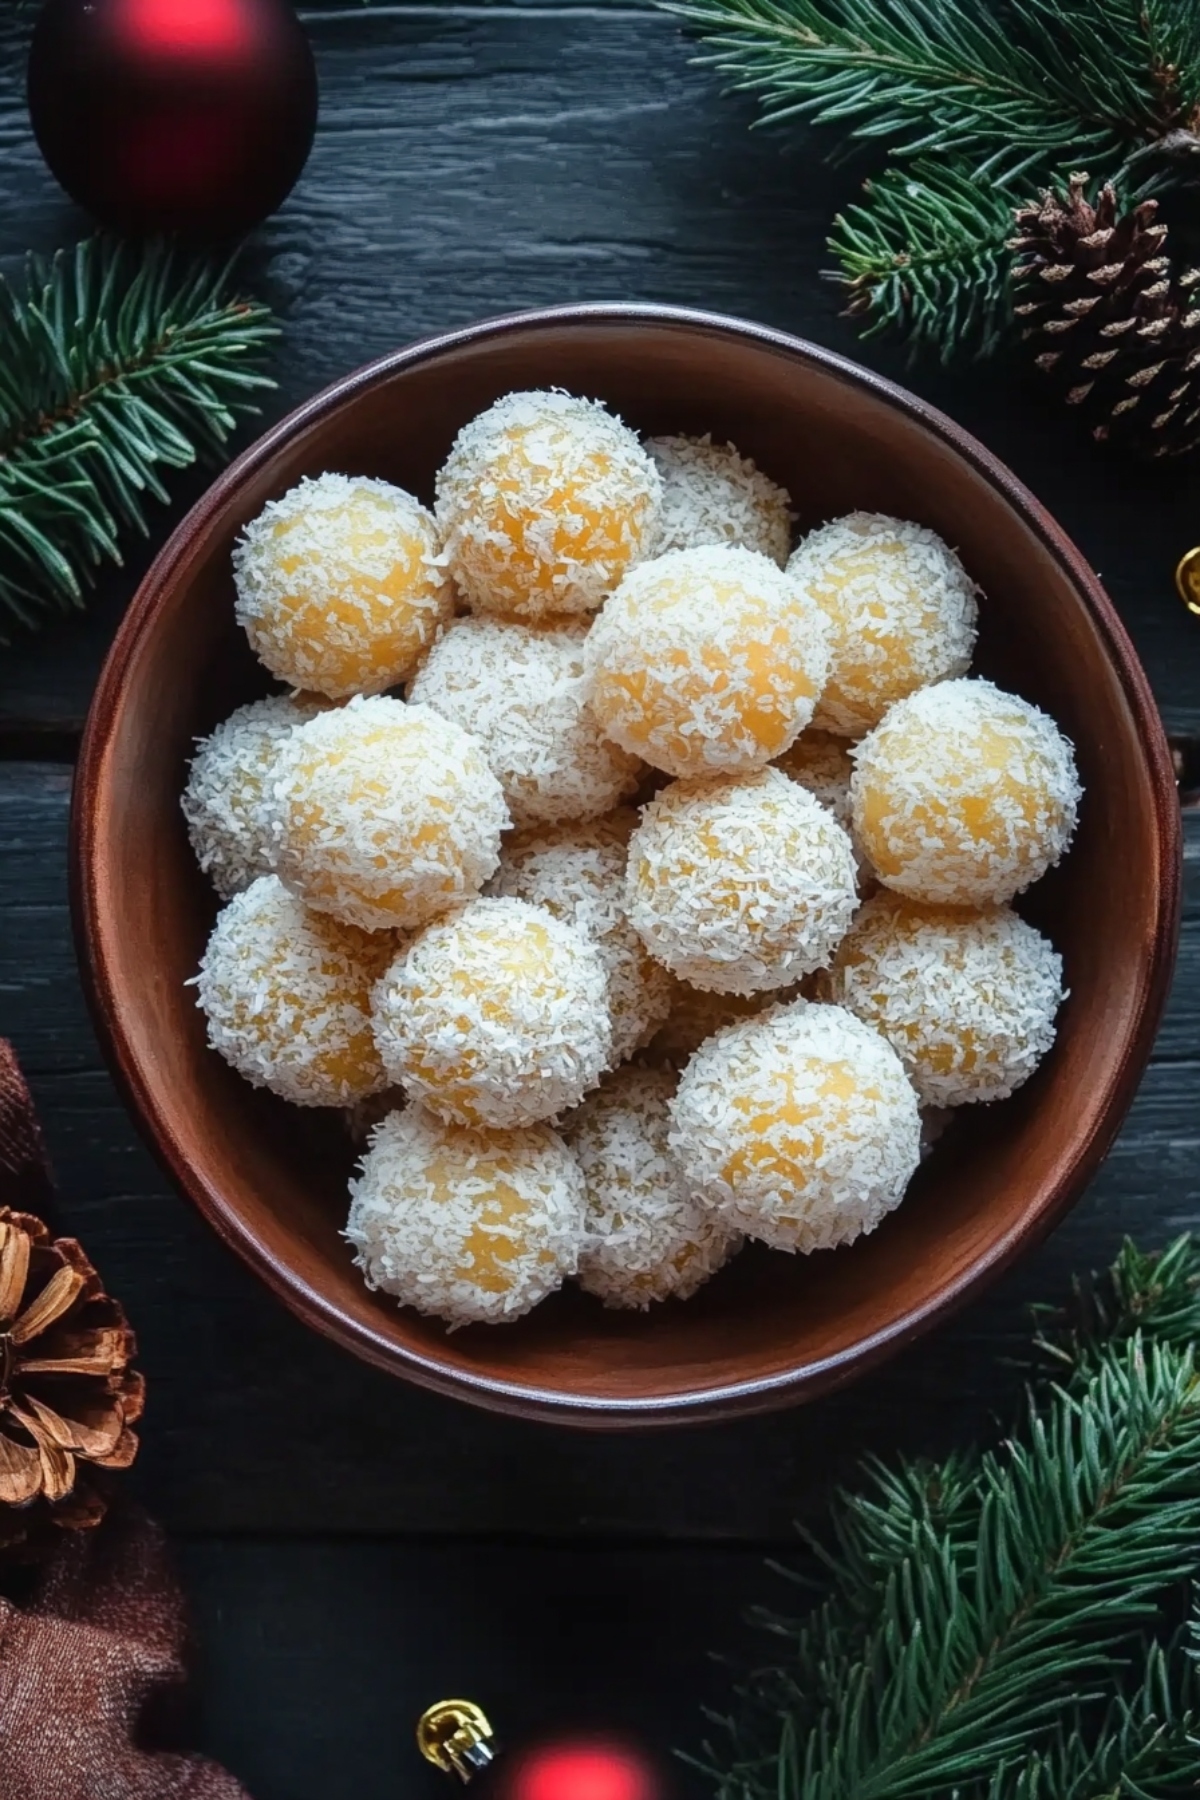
(353, 1548)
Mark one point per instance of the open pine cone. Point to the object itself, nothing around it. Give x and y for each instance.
(68, 1396)
(1109, 321)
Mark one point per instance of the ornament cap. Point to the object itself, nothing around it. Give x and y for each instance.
(456, 1737)
(1187, 579)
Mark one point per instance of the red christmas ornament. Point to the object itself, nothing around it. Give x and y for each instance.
(456, 1737)
(187, 116)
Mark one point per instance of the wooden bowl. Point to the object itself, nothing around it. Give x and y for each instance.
(771, 1329)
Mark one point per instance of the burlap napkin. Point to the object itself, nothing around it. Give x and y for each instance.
(91, 1667)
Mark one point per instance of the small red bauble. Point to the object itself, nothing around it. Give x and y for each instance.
(456, 1737)
(576, 1768)
(187, 116)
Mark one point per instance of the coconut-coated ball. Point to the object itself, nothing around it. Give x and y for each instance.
(901, 608)
(707, 661)
(339, 586)
(544, 501)
(385, 814)
(648, 1236)
(821, 763)
(497, 1015)
(964, 794)
(287, 996)
(800, 1127)
(519, 689)
(711, 494)
(966, 999)
(463, 1224)
(230, 775)
(696, 1013)
(741, 883)
(577, 872)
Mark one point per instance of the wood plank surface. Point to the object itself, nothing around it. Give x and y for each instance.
(473, 160)
(353, 1547)
(328, 1652)
(256, 1425)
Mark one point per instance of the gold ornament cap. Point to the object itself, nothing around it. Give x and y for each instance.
(1187, 580)
(455, 1736)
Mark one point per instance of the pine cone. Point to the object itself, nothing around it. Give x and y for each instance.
(68, 1396)
(1110, 322)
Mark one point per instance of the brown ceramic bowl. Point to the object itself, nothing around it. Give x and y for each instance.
(770, 1329)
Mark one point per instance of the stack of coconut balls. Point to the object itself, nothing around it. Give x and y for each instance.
(655, 790)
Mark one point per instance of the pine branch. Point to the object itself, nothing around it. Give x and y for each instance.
(1156, 1294)
(981, 1650)
(926, 257)
(117, 363)
(982, 1618)
(1137, 1748)
(1006, 89)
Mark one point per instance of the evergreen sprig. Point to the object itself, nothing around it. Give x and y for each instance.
(999, 87)
(117, 362)
(1007, 1625)
(977, 105)
(927, 253)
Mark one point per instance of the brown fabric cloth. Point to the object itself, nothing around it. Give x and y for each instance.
(26, 1183)
(92, 1661)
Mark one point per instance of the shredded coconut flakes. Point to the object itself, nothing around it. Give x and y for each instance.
(340, 585)
(466, 1225)
(224, 800)
(544, 500)
(902, 612)
(707, 661)
(496, 1016)
(519, 689)
(648, 1236)
(287, 995)
(385, 814)
(964, 794)
(577, 872)
(821, 763)
(966, 1000)
(800, 1127)
(713, 495)
(740, 884)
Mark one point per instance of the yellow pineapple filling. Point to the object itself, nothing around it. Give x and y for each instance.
(544, 502)
(494, 971)
(783, 1136)
(706, 660)
(874, 665)
(343, 594)
(987, 803)
(528, 553)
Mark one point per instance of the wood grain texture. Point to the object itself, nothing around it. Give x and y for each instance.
(257, 1426)
(543, 1637)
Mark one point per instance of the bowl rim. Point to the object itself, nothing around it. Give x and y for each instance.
(787, 1386)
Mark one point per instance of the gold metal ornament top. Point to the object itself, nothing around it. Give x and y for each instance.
(1187, 580)
(455, 1736)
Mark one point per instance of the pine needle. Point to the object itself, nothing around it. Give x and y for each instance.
(1000, 1626)
(925, 257)
(1004, 88)
(1157, 1294)
(118, 362)
(1138, 1748)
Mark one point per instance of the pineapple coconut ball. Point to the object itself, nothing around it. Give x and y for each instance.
(659, 900)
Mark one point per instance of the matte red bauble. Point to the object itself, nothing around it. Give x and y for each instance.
(187, 116)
